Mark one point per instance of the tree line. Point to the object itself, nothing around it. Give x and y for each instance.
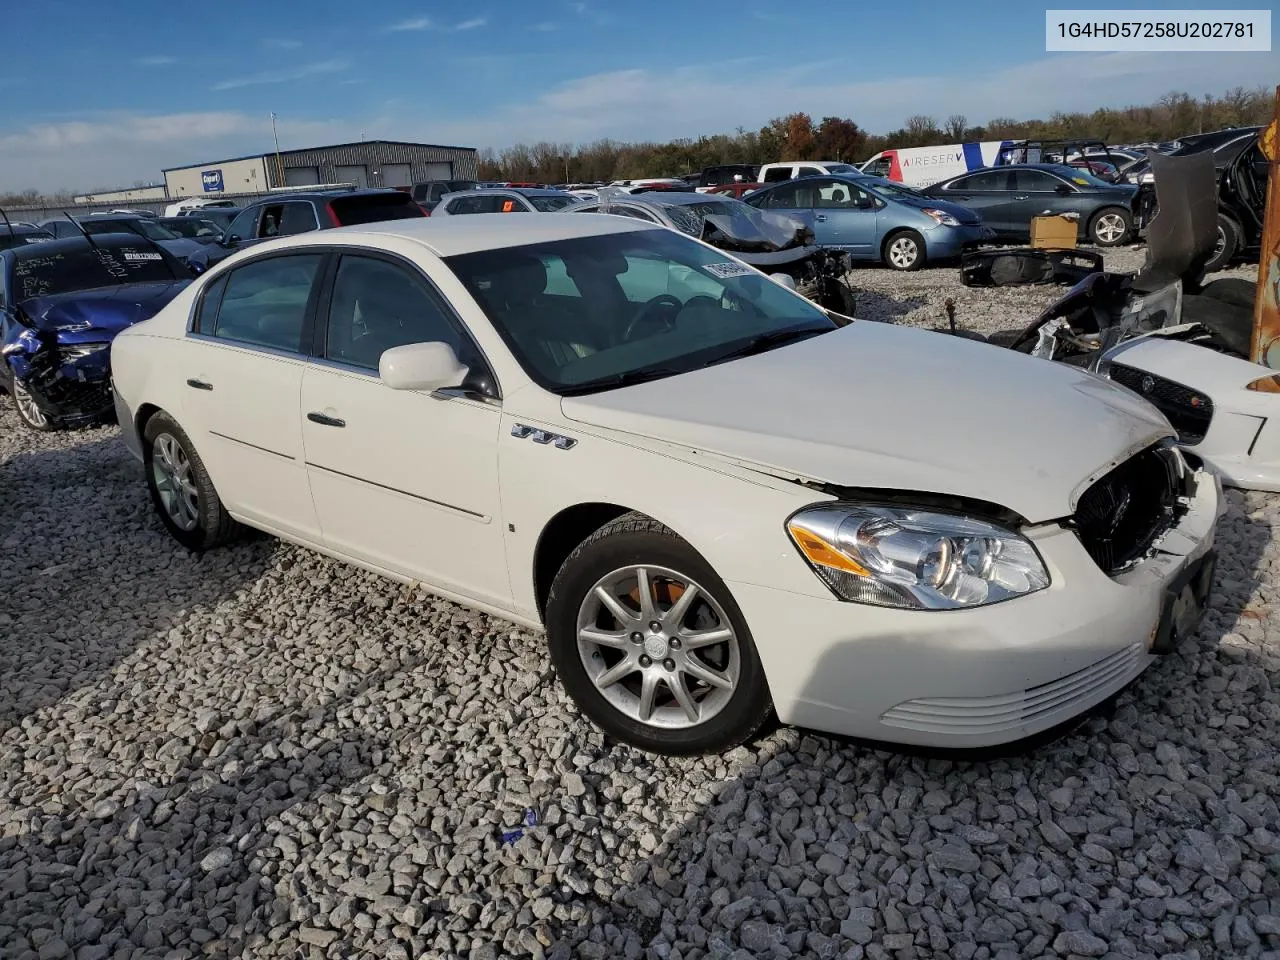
(798, 136)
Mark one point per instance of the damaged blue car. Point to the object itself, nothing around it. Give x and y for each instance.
(61, 304)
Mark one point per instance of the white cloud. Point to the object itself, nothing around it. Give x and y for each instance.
(154, 61)
(471, 24)
(283, 76)
(417, 23)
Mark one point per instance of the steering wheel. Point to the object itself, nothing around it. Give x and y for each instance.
(649, 314)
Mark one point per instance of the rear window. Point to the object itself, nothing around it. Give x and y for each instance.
(370, 208)
(550, 204)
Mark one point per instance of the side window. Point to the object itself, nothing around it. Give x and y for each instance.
(265, 302)
(777, 174)
(880, 168)
(781, 198)
(836, 195)
(809, 172)
(270, 225)
(242, 226)
(633, 212)
(376, 306)
(207, 313)
(298, 217)
(1035, 181)
(986, 180)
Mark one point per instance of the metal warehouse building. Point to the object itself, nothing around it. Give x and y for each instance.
(368, 163)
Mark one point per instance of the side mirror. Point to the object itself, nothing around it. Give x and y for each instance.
(785, 279)
(1063, 190)
(421, 366)
(196, 268)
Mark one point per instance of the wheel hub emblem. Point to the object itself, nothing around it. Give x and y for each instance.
(656, 646)
(1148, 384)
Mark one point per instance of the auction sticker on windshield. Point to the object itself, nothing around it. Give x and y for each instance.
(142, 255)
(726, 270)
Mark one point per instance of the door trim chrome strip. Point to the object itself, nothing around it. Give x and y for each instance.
(403, 493)
(246, 443)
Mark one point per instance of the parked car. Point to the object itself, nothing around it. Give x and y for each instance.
(738, 190)
(670, 477)
(876, 219)
(1008, 197)
(17, 234)
(179, 207)
(61, 304)
(508, 200)
(219, 216)
(428, 193)
(725, 174)
(921, 166)
(199, 229)
(187, 251)
(320, 210)
(777, 172)
(776, 244)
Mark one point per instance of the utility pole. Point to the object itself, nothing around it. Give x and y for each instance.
(279, 162)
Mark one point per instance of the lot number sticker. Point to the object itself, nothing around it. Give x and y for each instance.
(726, 270)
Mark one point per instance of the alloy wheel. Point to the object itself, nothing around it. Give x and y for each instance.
(903, 252)
(26, 405)
(171, 470)
(1109, 228)
(1220, 245)
(658, 647)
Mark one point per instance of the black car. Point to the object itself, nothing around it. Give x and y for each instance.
(20, 234)
(1009, 196)
(199, 229)
(61, 304)
(428, 193)
(219, 216)
(1242, 201)
(187, 251)
(295, 213)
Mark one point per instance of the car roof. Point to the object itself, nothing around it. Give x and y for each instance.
(62, 244)
(674, 197)
(523, 191)
(323, 195)
(450, 236)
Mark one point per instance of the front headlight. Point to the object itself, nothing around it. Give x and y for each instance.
(78, 351)
(893, 556)
(944, 218)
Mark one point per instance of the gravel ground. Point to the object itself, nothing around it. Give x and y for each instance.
(264, 753)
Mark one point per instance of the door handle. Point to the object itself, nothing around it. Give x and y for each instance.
(326, 421)
(1022, 197)
(199, 384)
(821, 218)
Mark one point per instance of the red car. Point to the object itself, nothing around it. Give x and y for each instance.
(736, 189)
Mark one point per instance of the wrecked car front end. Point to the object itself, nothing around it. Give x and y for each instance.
(58, 350)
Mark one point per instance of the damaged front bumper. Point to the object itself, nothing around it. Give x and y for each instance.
(69, 382)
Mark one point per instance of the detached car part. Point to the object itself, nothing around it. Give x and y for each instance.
(1027, 266)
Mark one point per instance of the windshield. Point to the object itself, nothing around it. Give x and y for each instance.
(841, 168)
(84, 268)
(18, 238)
(1079, 176)
(887, 188)
(597, 312)
(148, 228)
(550, 204)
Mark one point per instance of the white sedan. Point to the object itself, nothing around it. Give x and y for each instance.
(719, 501)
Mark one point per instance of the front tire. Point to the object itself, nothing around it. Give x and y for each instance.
(1111, 226)
(29, 413)
(1228, 243)
(181, 490)
(904, 250)
(649, 643)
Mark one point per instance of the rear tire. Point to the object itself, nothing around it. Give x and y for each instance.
(1111, 226)
(181, 490)
(693, 682)
(904, 250)
(1228, 244)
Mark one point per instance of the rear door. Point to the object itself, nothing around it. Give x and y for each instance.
(990, 193)
(241, 375)
(799, 199)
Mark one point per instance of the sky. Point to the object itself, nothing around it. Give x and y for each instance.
(100, 95)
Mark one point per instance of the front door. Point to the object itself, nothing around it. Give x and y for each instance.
(849, 216)
(241, 372)
(404, 480)
(1037, 192)
(989, 192)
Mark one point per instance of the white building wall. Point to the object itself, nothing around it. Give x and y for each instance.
(235, 176)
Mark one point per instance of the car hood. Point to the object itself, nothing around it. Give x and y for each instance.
(882, 407)
(110, 309)
(183, 247)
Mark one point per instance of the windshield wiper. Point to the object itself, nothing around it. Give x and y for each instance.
(626, 379)
(767, 341)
